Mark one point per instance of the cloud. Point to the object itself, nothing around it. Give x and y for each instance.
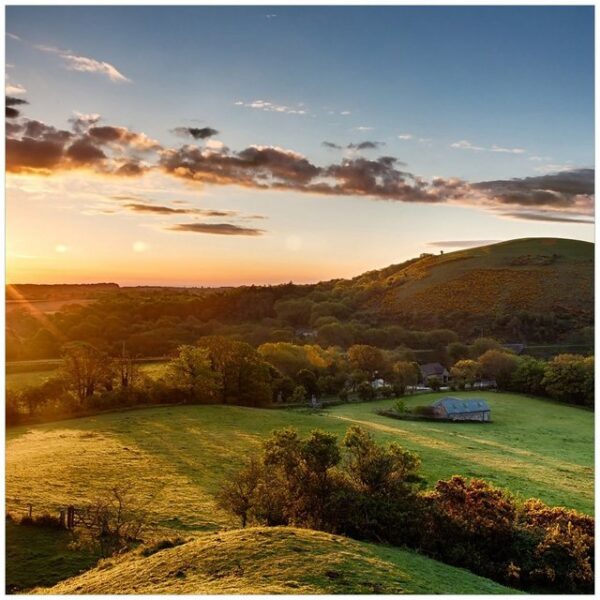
(198, 133)
(567, 183)
(553, 218)
(123, 136)
(365, 145)
(368, 145)
(363, 128)
(345, 113)
(462, 243)
(85, 64)
(405, 136)
(168, 210)
(11, 102)
(272, 107)
(35, 147)
(82, 122)
(13, 36)
(216, 229)
(495, 148)
(91, 65)
(466, 145)
(14, 89)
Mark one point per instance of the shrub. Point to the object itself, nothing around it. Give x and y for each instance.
(44, 520)
(162, 545)
(424, 411)
(365, 391)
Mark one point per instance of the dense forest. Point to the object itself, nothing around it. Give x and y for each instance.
(419, 304)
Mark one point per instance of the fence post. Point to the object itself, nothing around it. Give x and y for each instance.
(70, 517)
(30, 510)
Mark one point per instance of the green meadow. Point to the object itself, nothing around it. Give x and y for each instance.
(176, 457)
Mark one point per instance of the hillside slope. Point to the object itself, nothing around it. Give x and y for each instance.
(488, 286)
(276, 560)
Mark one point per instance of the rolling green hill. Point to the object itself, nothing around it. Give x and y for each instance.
(487, 287)
(276, 560)
(177, 457)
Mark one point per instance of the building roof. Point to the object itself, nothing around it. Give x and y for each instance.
(455, 406)
(430, 369)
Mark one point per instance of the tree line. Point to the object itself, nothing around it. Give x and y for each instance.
(222, 370)
(155, 322)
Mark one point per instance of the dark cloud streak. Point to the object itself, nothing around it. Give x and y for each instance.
(216, 229)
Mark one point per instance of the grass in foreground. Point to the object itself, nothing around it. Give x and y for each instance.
(276, 560)
(37, 556)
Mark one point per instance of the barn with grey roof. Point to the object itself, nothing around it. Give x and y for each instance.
(461, 409)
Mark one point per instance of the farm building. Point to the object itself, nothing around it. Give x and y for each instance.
(459, 409)
(438, 370)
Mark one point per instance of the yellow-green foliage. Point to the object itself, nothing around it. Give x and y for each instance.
(277, 560)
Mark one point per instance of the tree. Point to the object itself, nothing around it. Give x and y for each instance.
(299, 395)
(457, 351)
(296, 312)
(308, 380)
(567, 378)
(191, 371)
(367, 358)
(127, 369)
(85, 368)
(483, 344)
(237, 494)
(465, 372)
(245, 376)
(365, 391)
(434, 382)
(111, 522)
(499, 366)
(528, 376)
(404, 375)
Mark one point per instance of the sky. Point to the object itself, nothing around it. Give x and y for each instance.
(237, 145)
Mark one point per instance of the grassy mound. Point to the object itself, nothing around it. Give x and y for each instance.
(275, 561)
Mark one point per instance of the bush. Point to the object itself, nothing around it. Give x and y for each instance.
(365, 391)
(424, 411)
(162, 545)
(435, 383)
(373, 492)
(44, 520)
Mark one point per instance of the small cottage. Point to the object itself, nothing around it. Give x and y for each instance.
(438, 370)
(459, 409)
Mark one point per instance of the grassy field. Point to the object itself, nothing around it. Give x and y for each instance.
(276, 560)
(177, 456)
